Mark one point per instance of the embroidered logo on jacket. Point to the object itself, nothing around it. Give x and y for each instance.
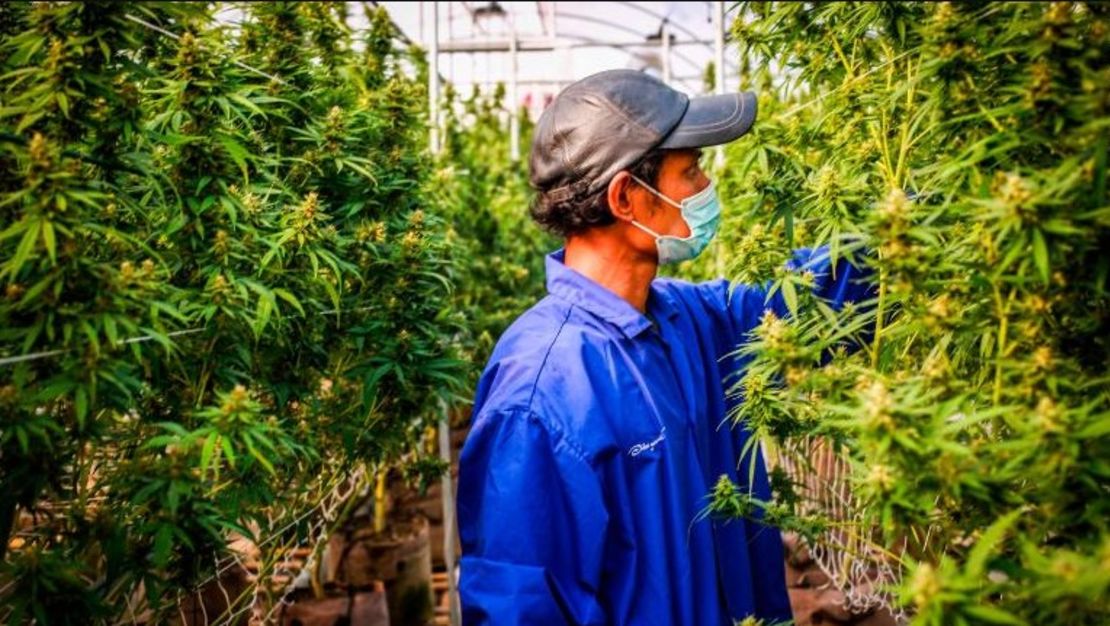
(650, 445)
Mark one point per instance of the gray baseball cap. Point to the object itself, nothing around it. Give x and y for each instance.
(606, 122)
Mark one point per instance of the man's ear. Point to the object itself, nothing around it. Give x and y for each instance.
(620, 202)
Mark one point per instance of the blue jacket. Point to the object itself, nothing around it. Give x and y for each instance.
(596, 436)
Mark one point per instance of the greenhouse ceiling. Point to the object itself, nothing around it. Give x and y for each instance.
(560, 42)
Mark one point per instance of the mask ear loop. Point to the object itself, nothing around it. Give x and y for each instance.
(707, 190)
(676, 205)
(637, 223)
(647, 230)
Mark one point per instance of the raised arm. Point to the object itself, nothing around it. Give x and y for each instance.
(741, 306)
(836, 284)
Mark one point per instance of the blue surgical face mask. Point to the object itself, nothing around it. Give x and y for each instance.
(701, 212)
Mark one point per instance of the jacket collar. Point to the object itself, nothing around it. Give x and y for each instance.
(599, 301)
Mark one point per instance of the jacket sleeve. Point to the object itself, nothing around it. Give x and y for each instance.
(532, 523)
(745, 304)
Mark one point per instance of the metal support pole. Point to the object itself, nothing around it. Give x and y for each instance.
(433, 82)
(719, 45)
(666, 31)
(514, 97)
(719, 63)
(449, 517)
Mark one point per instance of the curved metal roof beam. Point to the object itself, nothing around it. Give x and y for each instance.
(675, 25)
(594, 20)
(602, 44)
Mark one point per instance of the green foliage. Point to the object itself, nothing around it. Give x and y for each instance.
(488, 195)
(964, 147)
(245, 278)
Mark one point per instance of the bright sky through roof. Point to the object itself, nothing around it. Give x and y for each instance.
(582, 32)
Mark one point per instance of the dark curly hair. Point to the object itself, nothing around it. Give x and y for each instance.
(567, 217)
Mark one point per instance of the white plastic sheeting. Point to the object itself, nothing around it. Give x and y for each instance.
(560, 42)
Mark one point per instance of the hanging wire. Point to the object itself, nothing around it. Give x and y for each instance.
(34, 356)
(46, 354)
(175, 37)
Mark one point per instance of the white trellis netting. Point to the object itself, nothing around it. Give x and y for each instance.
(271, 564)
(847, 551)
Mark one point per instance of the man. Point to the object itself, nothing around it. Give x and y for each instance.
(597, 427)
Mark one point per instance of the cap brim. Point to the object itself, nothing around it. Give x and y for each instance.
(713, 120)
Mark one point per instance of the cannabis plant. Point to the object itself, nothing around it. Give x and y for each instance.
(225, 292)
(960, 152)
(486, 195)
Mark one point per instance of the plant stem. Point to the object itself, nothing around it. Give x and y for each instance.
(878, 319)
(843, 59)
(379, 501)
(1003, 328)
(904, 139)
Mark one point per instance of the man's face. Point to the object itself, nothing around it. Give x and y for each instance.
(680, 177)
